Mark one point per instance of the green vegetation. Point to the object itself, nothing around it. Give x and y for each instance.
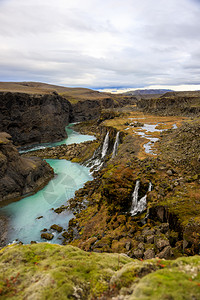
(46, 271)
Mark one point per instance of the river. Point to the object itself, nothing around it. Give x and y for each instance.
(28, 216)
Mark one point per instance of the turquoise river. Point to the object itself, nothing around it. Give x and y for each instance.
(32, 214)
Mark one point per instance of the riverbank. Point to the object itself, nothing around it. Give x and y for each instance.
(169, 226)
(31, 215)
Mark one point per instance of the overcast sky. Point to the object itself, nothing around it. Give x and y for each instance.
(101, 43)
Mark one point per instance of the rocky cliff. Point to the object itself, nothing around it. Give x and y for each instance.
(173, 103)
(32, 119)
(19, 176)
(90, 109)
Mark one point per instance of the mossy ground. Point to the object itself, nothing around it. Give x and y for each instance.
(46, 271)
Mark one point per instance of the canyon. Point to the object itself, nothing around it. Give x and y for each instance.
(38, 113)
(142, 204)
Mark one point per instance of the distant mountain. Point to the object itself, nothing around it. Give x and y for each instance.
(148, 92)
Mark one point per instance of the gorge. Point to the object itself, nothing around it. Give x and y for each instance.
(139, 202)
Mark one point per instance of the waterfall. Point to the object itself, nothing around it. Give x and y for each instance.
(97, 160)
(105, 145)
(135, 197)
(116, 144)
(139, 206)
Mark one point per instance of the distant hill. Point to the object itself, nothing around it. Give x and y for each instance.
(147, 92)
(44, 88)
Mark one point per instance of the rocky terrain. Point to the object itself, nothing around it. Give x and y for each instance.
(167, 227)
(19, 176)
(173, 103)
(170, 227)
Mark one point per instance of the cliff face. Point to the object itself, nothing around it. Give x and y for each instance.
(173, 103)
(18, 175)
(90, 109)
(32, 119)
(39, 118)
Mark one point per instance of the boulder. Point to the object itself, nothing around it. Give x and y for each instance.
(57, 227)
(138, 253)
(47, 236)
(150, 239)
(164, 227)
(148, 254)
(162, 243)
(166, 253)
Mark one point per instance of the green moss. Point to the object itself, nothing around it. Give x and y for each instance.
(164, 284)
(52, 271)
(46, 271)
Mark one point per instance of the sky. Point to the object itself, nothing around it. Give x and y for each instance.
(101, 43)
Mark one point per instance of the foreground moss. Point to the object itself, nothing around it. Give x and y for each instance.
(46, 271)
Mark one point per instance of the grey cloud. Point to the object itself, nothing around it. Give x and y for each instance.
(100, 43)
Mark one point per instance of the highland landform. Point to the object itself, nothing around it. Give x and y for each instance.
(143, 203)
(38, 113)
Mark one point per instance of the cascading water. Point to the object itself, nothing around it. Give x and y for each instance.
(96, 162)
(135, 196)
(139, 206)
(105, 145)
(28, 216)
(116, 144)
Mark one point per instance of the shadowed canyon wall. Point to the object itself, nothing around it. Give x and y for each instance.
(18, 175)
(32, 119)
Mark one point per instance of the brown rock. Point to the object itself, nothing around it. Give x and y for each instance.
(150, 239)
(148, 254)
(56, 227)
(138, 253)
(141, 246)
(169, 172)
(162, 243)
(128, 246)
(47, 236)
(164, 227)
(166, 253)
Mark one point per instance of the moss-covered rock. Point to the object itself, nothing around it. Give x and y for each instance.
(46, 271)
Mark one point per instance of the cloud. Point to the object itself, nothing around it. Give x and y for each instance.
(100, 43)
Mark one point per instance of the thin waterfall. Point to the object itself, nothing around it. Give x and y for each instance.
(139, 206)
(135, 196)
(105, 145)
(116, 144)
(96, 161)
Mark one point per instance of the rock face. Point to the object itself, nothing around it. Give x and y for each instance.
(32, 119)
(91, 109)
(173, 103)
(40, 118)
(19, 176)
